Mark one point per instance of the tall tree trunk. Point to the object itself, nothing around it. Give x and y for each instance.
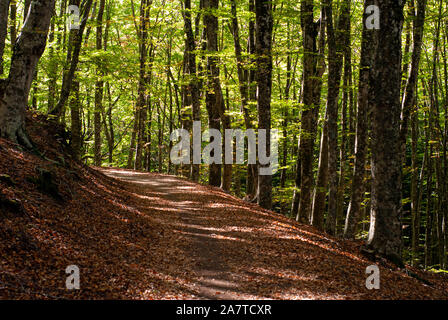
(12, 26)
(409, 109)
(142, 98)
(252, 176)
(15, 89)
(385, 224)
(244, 87)
(214, 99)
(409, 99)
(346, 111)
(192, 89)
(320, 190)
(75, 112)
(4, 10)
(99, 88)
(335, 55)
(358, 183)
(132, 144)
(72, 59)
(310, 111)
(263, 36)
(52, 68)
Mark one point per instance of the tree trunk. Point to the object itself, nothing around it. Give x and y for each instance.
(192, 89)
(214, 99)
(130, 162)
(310, 111)
(263, 36)
(320, 191)
(385, 223)
(358, 184)
(4, 10)
(99, 88)
(252, 176)
(335, 55)
(75, 113)
(15, 89)
(409, 99)
(13, 18)
(72, 59)
(142, 99)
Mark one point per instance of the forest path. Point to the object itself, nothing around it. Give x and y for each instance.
(213, 278)
(227, 248)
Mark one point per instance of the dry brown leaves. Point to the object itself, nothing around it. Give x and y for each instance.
(153, 236)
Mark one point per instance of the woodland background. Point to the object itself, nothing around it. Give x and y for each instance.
(137, 70)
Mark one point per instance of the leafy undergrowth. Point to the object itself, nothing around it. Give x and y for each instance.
(152, 236)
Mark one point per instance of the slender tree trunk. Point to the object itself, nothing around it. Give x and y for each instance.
(52, 69)
(72, 60)
(214, 98)
(252, 177)
(4, 10)
(99, 88)
(358, 183)
(310, 111)
(75, 113)
(320, 190)
(346, 111)
(409, 99)
(263, 36)
(244, 87)
(192, 89)
(142, 98)
(417, 199)
(12, 26)
(335, 56)
(132, 145)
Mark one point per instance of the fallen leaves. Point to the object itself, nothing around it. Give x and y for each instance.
(153, 236)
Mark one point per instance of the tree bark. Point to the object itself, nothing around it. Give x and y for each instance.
(358, 184)
(75, 113)
(142, 97)
(72, 60)
(15, 90)
(12, 26)
(385, 219)
(409, 99)
(335, 56)
(4, 10)
(214, 99)
(99, 88)
(192, 89)
(263, 36)
(310, 110)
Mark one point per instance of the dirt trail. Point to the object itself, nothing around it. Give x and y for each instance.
(213, 276)
(236, 250)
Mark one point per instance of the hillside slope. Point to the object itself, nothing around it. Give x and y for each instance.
(151, 236)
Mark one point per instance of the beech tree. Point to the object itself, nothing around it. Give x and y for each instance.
(364, 143)
(385, 224)
(4, 10)
(15, 89)
(263, 36)
(358, 184)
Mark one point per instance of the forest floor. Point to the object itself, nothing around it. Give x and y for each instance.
(137, 235)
